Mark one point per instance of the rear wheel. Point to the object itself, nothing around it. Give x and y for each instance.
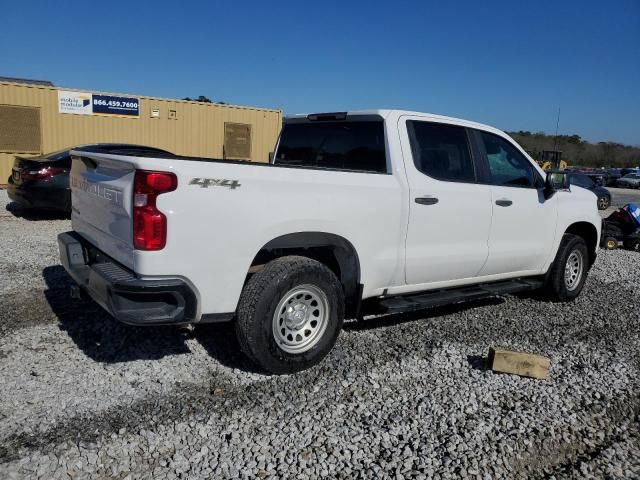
(569, 269)
(290, 314)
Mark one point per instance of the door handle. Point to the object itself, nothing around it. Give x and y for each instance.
(426, 200)
(503, 202)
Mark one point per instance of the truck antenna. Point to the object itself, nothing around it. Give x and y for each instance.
(555, 138)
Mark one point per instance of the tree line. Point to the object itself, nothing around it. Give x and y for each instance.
(203, 99)
(577, 151)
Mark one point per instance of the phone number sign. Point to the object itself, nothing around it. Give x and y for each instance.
(84, 103)
(112, 105)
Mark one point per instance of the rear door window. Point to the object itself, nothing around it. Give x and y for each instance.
(347, 145)
(441, 151)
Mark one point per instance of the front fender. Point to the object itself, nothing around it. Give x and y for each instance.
(578, 214)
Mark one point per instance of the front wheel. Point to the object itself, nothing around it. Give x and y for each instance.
(569, 270)
(290, 314)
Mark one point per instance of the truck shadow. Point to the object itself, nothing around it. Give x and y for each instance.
(105, 340)
(100, 336)
(221, 343)
(392, 319)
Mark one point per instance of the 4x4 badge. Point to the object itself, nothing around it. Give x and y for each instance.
(214, 182)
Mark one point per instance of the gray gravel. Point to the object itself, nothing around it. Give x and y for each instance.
(401, 396)
(622, 196)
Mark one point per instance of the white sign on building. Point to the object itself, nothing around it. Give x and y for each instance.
(74, 102)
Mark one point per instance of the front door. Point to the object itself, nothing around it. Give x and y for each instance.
(524, 222)
(449, 212)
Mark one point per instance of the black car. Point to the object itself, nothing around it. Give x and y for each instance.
(43, 182)
(613, 174)
(584, 181)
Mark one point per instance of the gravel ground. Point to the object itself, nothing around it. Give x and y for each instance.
(401, 396)
(621, 196)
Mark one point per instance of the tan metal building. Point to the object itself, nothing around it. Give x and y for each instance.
(37, 118)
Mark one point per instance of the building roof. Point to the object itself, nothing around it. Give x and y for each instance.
(27, 80)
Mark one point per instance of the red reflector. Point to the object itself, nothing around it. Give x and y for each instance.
(149, 223)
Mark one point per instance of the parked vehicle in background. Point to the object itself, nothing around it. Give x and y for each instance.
(585, 181)
(631, 180)
(599, 176)
(42, 182)
(599, 179)
(613, 174)
(359, 212)
(623, 225)
(627, 171)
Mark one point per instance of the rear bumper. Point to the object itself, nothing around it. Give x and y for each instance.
(120, 292)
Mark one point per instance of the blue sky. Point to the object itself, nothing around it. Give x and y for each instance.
(506, 63)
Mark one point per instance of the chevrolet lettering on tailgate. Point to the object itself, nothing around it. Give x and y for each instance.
(110, 194)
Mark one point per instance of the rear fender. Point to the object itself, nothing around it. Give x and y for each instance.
(333, 250)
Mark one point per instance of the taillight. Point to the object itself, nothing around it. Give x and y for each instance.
(42, 173)
(149, 223)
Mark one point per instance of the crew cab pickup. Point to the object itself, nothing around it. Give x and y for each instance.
(356, 213)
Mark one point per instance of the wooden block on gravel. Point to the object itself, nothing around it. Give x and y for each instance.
(517, 363)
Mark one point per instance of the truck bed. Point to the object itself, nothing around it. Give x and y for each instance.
(223, 212)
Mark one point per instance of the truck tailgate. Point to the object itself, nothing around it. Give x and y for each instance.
(101, 193)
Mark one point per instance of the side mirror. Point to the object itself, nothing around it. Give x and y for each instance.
(556, 182)
(271, 157)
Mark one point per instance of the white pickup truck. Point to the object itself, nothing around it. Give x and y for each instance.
(360, 212)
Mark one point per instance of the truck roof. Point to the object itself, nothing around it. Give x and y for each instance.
(385, 113)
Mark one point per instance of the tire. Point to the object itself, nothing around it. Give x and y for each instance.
(603, 203)
(609, 243)
(301, 335)
(563, 285)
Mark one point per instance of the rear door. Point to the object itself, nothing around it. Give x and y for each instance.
(523, 222)
(101, 193)
(450, 209)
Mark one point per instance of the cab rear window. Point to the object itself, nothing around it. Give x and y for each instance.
(348, 145)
